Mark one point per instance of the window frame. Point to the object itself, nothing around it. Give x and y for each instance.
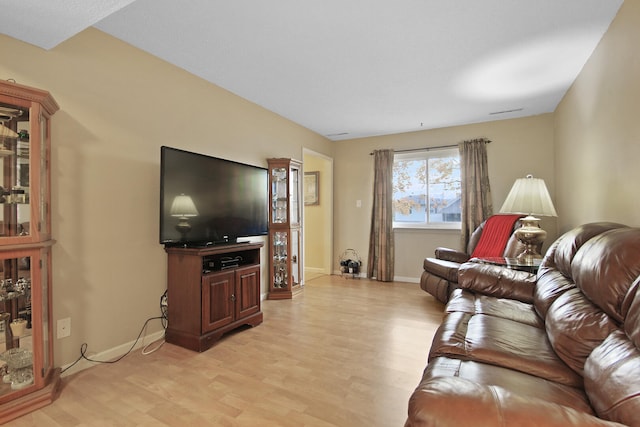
(427, 154)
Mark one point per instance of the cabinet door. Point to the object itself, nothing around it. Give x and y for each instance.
(20, 338)
(294, 195)
(247, 291)
(279, 261)
(294, 253)
(279, 194)
(24, 164)
(15, 171)
(217, 300)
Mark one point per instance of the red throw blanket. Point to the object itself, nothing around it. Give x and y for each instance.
(495, 236)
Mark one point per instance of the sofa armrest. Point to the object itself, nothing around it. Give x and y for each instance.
(451, 255)
(500, 282)
(454, 402)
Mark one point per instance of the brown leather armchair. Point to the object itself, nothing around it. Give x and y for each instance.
(440, 275)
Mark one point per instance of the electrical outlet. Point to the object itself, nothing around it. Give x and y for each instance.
(64, 327)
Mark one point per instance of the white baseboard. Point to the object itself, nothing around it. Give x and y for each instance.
(113, 353)
(395, 278)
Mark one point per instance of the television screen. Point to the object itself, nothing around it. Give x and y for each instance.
(206, 200)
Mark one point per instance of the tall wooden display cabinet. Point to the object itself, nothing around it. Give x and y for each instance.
(29, 380)
(285, 226)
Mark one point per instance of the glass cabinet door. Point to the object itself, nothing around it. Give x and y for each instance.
(295, 256)
(279, 189)
(279, 261)
(42, 297)
(17, 344)
(15, 164)
(293, 197)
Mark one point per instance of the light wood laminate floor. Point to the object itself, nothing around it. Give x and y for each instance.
(346, 352)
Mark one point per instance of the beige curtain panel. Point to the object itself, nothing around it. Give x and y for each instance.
(381, 244)
(476, 190)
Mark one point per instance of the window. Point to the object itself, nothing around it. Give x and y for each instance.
(426, 189)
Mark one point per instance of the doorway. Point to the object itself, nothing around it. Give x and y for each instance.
(318, 216)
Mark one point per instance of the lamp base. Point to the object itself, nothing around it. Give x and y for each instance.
(183, 227)
(532, 237)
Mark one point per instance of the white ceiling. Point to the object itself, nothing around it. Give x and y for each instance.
(351, 68)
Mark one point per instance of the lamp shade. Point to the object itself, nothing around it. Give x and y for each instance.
(529, 196)
(183, 206)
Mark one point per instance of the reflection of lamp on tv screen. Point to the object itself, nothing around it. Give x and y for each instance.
(207, 200)
(183, 208)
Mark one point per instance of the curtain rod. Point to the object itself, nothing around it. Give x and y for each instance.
(410, 150)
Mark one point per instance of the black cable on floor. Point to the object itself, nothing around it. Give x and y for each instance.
(162, 318)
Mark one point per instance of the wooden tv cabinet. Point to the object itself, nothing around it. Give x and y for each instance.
(211, 291)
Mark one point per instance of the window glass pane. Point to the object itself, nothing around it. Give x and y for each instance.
(444, 189)
(409, 191)
(427, 189)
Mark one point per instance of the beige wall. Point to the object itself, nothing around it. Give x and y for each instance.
(598, 131)
(518, 147)
(118, 106)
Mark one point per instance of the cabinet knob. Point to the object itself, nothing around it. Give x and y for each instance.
(233, 297)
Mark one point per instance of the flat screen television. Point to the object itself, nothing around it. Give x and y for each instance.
(206, 200)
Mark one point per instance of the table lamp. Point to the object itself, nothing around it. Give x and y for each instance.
(529, 196)
(183, 208)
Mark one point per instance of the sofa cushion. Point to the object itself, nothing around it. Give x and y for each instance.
(632, 319)
(497, 281)
(436, 286)
(560, 255)
(606, 266)
(469, 302)
(555, 274)
(509, 379)
(548, 288)
(501, 342)
(447, 254)
(612, 371)
(455, 402)
(575, 327)
(445, 269)
(612, 379)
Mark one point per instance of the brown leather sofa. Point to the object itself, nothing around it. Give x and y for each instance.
(560, 348)
(440, 275)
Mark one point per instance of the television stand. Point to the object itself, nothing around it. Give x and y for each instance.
(207, 297)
